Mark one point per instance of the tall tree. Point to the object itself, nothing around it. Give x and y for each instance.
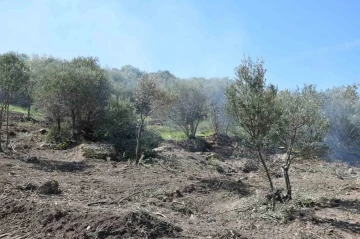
(252, 104)
(190, 107)
(14, 74)
(217, 100)
(149, 98)
(78, 89)
(88, 90)
(302, 127)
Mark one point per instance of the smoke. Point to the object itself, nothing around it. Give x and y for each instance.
(342, 108)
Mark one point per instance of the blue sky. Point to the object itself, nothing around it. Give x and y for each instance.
(303, 41)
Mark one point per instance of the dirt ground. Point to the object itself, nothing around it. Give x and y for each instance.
(180, 195)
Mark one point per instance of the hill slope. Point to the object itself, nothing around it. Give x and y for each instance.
(179, 195)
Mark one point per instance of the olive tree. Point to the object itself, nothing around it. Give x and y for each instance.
(220, 121)
(14, 74)
(117, 123)
(149, 99)
(39, 66)
(302, 127)
(88, 91)
(76, 89)
(49, 96)
(190, 107)
(252, 104)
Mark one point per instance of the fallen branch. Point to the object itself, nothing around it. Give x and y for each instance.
(169, 169)
(121, 200)
(239, 209)
(22, 237)
(98, 202)
(4, 235)
(159, 214)
(315, 234)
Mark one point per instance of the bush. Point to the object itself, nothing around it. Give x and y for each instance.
(55, 136)
(99, 151)
(197, 145)
(250, 165)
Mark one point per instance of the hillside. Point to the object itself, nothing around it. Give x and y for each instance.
(179, 194)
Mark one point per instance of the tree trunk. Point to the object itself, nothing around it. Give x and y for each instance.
(227, 129)
(266, 169)
(192, 130)
(73, 119)
(29, 109)
(138, 143)
(287, 182)
(59, 124)
(7, 125)
(1, 123)
(272, 199)
(215, 122)
(196, 127)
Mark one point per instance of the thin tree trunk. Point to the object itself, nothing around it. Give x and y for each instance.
(29, 109)
(138, 143)
(73, 119)
(266, 168)
(59, 124)
(268, 176)
(7, 125)
(192, 131)
(287, 182)
(287, 166)
(226, 129)
(1, 123)
(196, 127)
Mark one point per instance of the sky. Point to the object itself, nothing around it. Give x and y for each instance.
(302, 42)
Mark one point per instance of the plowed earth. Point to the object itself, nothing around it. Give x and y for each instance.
(180, 195)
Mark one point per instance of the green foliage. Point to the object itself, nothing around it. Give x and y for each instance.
(220, 121)
(150, 98)
(99, 152)
(307, 203)
(342, 108)
(64, 145)
(302, 126)
(190, 107)
(14, 75)
(252, 103)
(117, 118)
(75, 89)
(57, 136)
(18, 109)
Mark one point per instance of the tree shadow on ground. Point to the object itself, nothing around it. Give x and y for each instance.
(352, 206)
(346, 226)
(345, 205)
(55, 165)
(342, 225)
(224, 184)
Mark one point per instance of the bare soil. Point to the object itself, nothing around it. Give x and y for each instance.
(179, 195)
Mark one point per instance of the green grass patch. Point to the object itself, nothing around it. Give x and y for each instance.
(18, 109)
(168, 133)
(23, 110)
